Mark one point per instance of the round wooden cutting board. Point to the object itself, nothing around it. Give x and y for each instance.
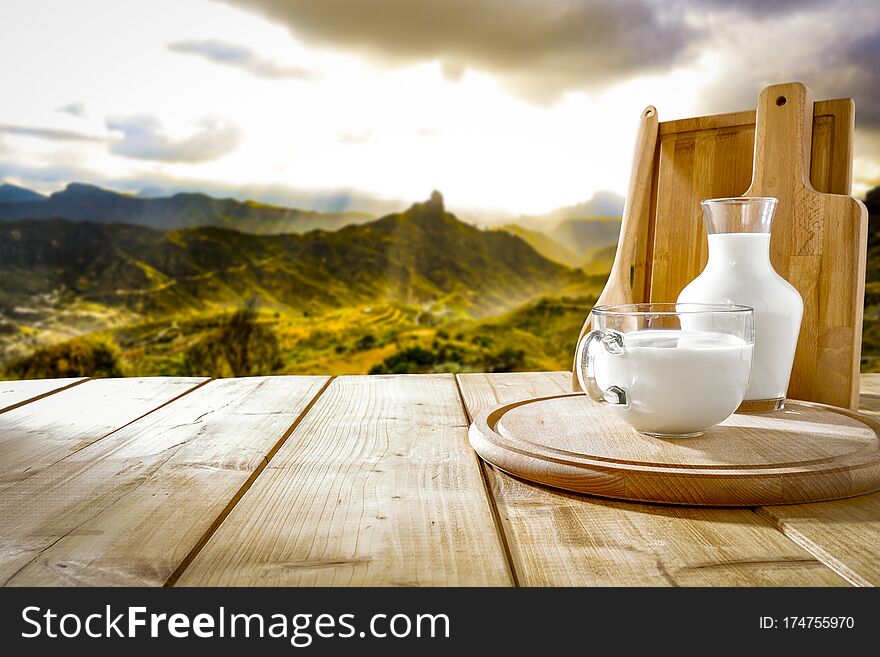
(804, 453)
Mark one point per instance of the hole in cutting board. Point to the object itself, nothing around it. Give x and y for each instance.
(781, 101)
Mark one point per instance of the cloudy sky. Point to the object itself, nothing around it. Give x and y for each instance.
(517, 106)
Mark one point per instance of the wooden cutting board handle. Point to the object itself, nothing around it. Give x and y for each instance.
(618, 288)
(783, 137)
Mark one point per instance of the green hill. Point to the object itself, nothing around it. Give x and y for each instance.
(421, 256)
(407, 292)
(79, 202)
(587, 236)
(545, 245)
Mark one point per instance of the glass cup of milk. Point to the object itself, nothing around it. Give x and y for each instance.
(668, 369)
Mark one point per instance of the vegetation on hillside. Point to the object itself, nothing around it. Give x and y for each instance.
(415, 291)
(85, 356)
(380, 339)
(240, 346)
(421, 256)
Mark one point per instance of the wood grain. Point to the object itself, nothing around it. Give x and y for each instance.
(376, 487)
(691, 166)
(562, 539)
(869, 400)
(711, 157)
(15, 393)
(129, 509)
(43, 432)
(844, 534)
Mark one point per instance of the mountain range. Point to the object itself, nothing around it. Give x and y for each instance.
(545, 245)
(571, 236)
(81, 202)
(421, 256)
(15, 194)
(588, 243)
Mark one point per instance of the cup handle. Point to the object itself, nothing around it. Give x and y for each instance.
(612, 341)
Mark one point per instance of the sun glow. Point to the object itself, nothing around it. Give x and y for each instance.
(307, 118)
(390, 132)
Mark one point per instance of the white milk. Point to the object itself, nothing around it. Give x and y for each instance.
(676, 382)
(739, 271)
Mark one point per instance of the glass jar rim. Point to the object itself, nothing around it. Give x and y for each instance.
(740, 200)
(639, 309)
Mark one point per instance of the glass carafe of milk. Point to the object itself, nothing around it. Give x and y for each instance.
(739, 271)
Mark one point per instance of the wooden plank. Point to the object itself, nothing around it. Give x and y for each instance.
(128, 510)
(844, 534)
(15, 393)
(869, 400)
(744, 118)
(376, 487)
(561, 539)
(36, 435)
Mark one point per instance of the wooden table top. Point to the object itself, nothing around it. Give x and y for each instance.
(360, 480)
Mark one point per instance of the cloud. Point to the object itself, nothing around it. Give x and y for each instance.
(143, 138)
(537, 47)
(542, 48)
(835, 49)
(864, 56)
(757, 7)
(42, 175)
(52, 134)
(76, 109)
(230, 54)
